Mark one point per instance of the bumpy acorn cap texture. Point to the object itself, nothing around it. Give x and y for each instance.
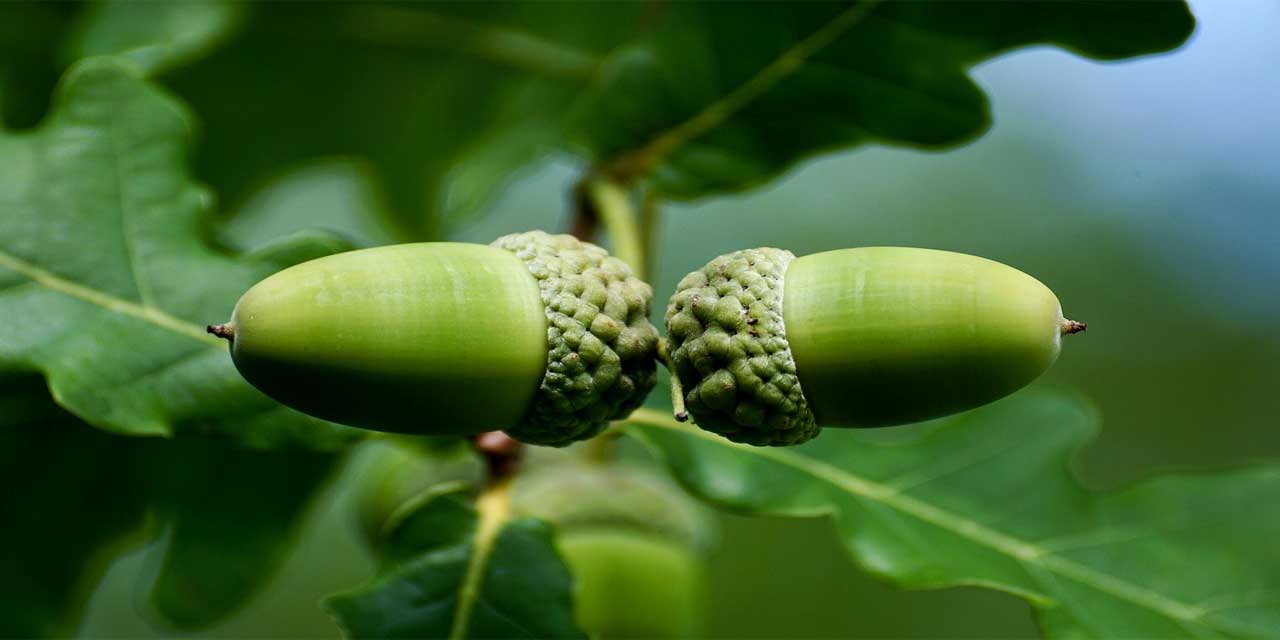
(601, 347)
(729, 346)
(620, 497)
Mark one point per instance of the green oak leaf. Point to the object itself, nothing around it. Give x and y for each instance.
(450, 101)
(455, 570)
(722, 96)
(987, 499)
(106, 284)
(446, 102)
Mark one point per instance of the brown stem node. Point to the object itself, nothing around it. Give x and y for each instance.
(501, 453)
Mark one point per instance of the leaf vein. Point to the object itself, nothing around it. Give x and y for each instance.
(107, 301)
(136, 272)
(494, 507)
(964, 527)
(632, 164)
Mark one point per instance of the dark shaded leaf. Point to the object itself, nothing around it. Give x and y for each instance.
(29, 64)
(72, 495)
(232, 514)
(723, 96)
(77, 496)
(448, 101)
(444, 101)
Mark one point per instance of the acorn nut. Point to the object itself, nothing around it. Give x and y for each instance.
(767, 348)
(544, 336)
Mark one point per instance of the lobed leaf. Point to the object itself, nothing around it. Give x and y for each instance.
(722, 96)
(987, 499)
(447, 102)
(105, 282)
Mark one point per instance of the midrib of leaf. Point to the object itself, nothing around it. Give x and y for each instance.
(494, 509)
(1025, 552)
(629, 165)
(107, 301)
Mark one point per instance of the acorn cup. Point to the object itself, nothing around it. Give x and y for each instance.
(767, 348)
(543, 336)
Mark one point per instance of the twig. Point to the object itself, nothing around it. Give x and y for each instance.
(600, 201)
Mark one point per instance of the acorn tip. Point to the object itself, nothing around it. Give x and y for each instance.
(1071, 326)
(224, 331)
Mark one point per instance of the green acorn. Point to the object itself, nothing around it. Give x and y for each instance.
(634, 542)
(544, 336)
(768, 348)
(396, 477)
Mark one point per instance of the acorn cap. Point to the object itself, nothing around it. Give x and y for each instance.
(728, 344)
(601, 347)
(580, 498)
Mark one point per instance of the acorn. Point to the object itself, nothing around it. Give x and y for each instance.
(636, 545)
(395, 477)
(767, 348)
(543, 336)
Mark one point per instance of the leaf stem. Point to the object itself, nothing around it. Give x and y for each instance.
(494, 509)
(677, 388)
(650, 222)
(611, 204)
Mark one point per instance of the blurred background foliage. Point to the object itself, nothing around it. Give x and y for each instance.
(1145, 193)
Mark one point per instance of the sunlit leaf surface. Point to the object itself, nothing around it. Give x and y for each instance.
(988, 499)
(106, 283)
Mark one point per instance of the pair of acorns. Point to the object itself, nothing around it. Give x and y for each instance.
(548, 338)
